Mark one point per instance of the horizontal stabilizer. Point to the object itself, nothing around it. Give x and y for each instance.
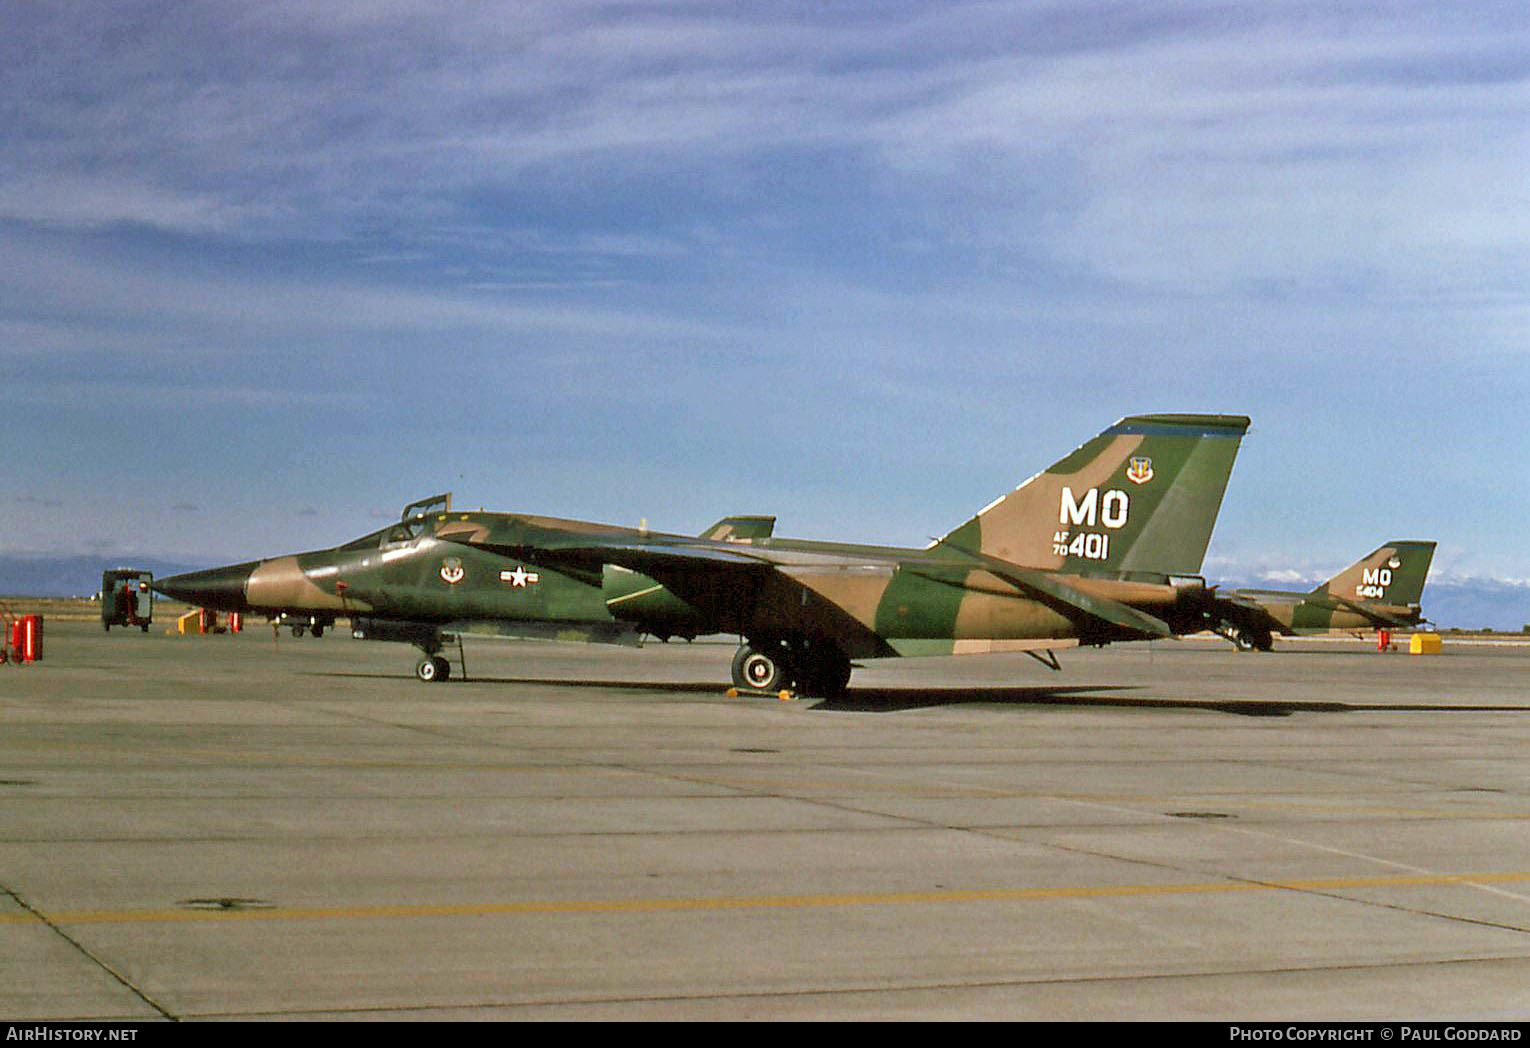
(1054, 591)
(1044, 586)
(1370, 611)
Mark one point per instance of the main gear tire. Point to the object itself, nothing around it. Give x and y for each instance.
(824, 674)
(759, 670)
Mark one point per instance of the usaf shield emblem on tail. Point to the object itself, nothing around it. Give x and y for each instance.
(1140, 470)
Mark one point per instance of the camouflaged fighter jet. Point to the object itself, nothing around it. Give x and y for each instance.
(1103, 546)
(1379, 591)
(1106, 545)
(401, 584)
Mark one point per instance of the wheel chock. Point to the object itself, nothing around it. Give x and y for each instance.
(784, 695)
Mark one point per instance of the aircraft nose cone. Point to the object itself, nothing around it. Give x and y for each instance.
(219, 588)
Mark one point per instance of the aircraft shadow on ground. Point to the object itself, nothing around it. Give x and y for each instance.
(893, 700)
(551, 682)
(1087, 696)
(881, 700)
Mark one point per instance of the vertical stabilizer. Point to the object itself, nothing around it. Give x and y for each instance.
(1393, 574)
(1140, 497)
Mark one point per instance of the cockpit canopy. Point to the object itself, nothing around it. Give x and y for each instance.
(425, 507)
(413, 522)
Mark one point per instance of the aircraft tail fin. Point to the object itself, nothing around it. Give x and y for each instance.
(1392, 574)
(1140, 497)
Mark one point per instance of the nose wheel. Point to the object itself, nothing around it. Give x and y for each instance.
(433, 665)
(433, 668)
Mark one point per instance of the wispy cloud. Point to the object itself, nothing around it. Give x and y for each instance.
(1191, 145)
(597, 238)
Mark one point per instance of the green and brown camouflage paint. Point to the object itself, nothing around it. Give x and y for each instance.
(1087, 551)
(1381, 590)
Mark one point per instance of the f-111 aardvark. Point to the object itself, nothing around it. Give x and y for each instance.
(1379, 591)
(1105, 545)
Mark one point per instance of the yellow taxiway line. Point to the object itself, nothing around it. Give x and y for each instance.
(747, 902)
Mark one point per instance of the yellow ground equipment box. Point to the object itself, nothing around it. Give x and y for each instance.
(1424, 644)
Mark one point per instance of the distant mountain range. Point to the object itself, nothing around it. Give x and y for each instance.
(29, 575)
(1478, 603)
(1464, 603)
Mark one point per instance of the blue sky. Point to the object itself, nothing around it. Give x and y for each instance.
(272, 270)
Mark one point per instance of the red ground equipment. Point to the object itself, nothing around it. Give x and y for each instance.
(23, 639)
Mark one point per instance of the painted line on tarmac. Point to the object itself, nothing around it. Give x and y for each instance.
(751, 902)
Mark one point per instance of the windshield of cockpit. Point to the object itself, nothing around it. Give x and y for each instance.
(413, 523)
(415, 520)
(441, 503)
(390, 536)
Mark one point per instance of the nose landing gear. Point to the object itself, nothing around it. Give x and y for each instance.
(432, 668)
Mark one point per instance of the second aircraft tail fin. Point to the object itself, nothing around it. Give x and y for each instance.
(1393, 574)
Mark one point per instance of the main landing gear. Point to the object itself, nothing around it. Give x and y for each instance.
(1254, 640)
(1246, 638)
(819, 670)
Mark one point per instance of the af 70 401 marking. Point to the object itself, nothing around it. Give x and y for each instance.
(1090, 545)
